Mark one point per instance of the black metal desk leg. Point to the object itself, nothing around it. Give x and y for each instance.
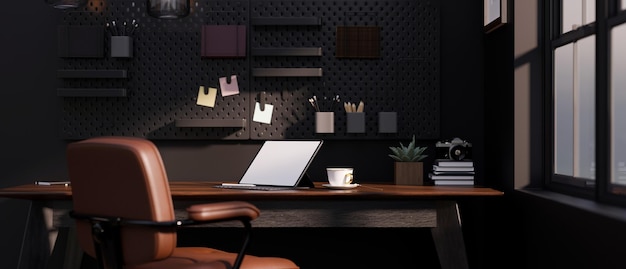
(448, 237)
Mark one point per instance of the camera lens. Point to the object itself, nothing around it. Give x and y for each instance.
(458, 152)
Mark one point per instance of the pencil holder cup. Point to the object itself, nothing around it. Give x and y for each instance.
(121, 46)
(387, 122)
(324, 122)
(355, 122)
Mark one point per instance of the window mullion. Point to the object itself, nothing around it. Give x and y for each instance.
(603, 107)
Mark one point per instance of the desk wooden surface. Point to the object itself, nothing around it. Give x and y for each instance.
(368, 205)
(200, 190)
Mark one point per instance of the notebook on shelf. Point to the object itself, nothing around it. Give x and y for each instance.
(278, 165)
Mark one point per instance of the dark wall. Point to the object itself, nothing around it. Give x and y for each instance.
(549, 233)
(499, 149)
(29, 139)
(560, 236)
(33, 148)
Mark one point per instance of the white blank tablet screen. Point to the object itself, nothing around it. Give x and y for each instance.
(280, 162)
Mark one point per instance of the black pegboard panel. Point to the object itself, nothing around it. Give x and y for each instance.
(164, 76)
(405, 79)
(166, 70)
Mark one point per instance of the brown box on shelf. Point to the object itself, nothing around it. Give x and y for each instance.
(223, 41)
(358, 42)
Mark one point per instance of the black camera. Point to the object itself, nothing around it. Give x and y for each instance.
(455, 149)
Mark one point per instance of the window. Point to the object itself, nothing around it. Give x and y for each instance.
(576, 13)
(574, 98)
(588, 99)
(573, 94)
(618, 108)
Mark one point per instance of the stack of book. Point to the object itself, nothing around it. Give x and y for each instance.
(451, 172)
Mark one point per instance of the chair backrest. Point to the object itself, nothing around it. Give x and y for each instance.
(122, 177)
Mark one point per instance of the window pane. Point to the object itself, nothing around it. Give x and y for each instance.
(577, 13)
(584, 108)
(563, 110)
(493, 11)
(618, 104)
(575, 109)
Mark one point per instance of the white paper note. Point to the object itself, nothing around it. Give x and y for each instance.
(264, 116)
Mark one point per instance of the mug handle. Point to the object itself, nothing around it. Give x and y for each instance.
(348, 178)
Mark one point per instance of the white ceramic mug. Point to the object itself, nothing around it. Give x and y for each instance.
(339, 176)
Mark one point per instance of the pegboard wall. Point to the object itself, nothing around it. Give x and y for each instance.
(158, 85)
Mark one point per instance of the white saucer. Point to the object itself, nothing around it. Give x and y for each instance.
(344, 187)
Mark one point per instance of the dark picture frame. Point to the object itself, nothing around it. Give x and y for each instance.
(495, 14)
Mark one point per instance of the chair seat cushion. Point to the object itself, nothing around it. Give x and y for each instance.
(209, 258)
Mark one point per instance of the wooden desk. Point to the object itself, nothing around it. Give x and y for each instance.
(369, 205)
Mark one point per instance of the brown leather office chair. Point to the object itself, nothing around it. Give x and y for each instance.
(125, 216)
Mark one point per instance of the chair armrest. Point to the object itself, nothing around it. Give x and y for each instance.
(232, 210)
(223, 211)
(200, 213)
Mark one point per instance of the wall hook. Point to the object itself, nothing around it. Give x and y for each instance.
(262, 100)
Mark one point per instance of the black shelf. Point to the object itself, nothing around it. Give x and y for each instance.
(286, 21)
(91, 92)
(215, 123)
(313, 51)
(287, 72)
(73, 73)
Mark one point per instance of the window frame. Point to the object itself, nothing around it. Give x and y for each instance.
(607, 15)
(614, 17)
(554, 39)
(501, 16)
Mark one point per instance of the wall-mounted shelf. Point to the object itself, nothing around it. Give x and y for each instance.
(287, 72)
(215, 123)
(90, 92)
(73, 73)
(286, 21)
(313, 51)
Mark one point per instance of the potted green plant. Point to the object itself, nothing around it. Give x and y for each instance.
(408, 168)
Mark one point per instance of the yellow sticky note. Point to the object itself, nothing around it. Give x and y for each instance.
(207, 99)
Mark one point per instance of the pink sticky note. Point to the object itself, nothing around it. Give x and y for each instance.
(231, 88)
